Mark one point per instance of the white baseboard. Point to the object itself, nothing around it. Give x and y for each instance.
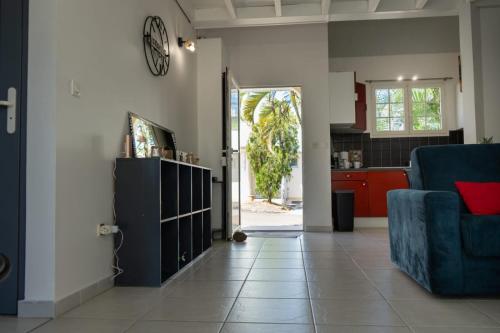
(52, 309)
(317, 228)
(36, 309)
(359, 223)
(370, 222)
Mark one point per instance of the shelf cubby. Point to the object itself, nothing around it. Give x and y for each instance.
(197, 181)
(169, 249)
(207, 188)
(184, 189)
(185, 242)
(168, 189)
(163, 207)
(197, 225)
(207, 230)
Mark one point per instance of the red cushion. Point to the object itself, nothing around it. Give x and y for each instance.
(480, 198)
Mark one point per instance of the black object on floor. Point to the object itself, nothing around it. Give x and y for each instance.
(343, 210)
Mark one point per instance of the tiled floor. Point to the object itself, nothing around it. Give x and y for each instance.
(315, 283)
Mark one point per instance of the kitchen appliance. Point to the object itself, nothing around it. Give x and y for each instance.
(344, 160)
(335, 160)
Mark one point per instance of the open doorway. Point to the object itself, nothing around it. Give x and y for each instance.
(270, 139)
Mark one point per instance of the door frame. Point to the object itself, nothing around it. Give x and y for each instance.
(234, 85)
(228, 228)
(278, 87)
(23, 121)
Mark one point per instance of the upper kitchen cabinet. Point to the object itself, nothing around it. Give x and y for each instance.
(347, 102)
(342, 98)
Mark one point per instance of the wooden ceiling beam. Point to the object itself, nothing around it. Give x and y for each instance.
(373, 5)
(278, 8)
(231, 9)
(420, 4)
(325, 7)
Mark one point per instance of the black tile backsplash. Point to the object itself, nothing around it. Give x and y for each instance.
(389, 152)
(457, 137)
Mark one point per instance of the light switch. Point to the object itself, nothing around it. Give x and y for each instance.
(74, 88)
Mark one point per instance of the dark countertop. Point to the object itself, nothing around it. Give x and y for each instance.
(372, 169)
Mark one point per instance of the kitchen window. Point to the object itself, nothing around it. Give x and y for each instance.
(407, 109)
(390, 109)
(426, 112)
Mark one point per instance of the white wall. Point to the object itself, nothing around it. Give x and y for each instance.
(292, 56)
(397, 36)
(460, 106)
(295, 184)
(209, 96)
(470, 53)
(490, 63)
(41, 154)
(390, 67)
(99, 44)
(480, 51)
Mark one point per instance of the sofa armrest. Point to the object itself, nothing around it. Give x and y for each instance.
(424, 231)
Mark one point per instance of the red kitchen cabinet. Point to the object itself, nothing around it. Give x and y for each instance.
(361, 195)
(346, 175)
(380, 183)
(370, 189)
(360, 107)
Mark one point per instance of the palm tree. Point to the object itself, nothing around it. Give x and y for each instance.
(273, 143)
(254, 101)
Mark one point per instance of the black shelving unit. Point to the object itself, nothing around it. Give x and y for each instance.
(197, 226)
(163, 207)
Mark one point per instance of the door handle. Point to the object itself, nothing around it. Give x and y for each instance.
(10, 104)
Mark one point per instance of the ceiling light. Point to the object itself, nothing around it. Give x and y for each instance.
(400, 78)
(414, 78)
(187, 44)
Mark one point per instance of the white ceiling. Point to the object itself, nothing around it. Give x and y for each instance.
(253, 3)
(207, 14)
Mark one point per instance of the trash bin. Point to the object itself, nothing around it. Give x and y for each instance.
(343, 210)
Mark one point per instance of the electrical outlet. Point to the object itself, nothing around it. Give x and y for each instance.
(106, 229)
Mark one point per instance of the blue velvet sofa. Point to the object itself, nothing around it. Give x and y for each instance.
(433, 237)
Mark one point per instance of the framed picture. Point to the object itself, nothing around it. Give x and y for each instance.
(146, 135)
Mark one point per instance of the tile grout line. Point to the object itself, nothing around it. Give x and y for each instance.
(259, 250)
(39, 326)
(472, 305)
(378, 290)
(307, 285)
(241, 288)
(181, 278)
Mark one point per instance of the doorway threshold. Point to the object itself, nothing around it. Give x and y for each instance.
(274, 228)
(274, 234)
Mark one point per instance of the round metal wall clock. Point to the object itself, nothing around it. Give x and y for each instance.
(156, 46)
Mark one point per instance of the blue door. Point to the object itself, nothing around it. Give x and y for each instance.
(12, 133)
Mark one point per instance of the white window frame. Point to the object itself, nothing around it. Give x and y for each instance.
(373, 107)
(407, 86)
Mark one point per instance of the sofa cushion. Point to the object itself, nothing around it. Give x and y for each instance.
(481, 235)
(480, 198)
